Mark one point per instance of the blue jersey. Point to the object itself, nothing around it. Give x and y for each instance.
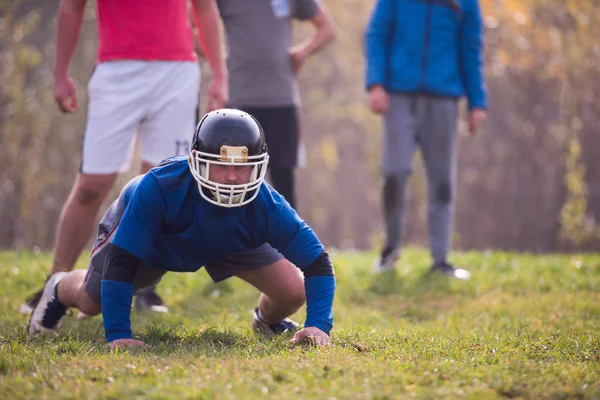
(170, 226)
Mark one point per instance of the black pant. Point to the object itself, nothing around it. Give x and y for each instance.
(283, 181)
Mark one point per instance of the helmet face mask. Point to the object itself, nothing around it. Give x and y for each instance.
(228, 138)
(223, 194)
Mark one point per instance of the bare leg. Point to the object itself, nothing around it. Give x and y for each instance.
(78, 217)
(71, 293)
(282, 289)
(79, 214)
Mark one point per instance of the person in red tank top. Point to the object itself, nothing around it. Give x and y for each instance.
(156, 30)
(145, 84)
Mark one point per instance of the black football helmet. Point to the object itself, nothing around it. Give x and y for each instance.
(228, 137)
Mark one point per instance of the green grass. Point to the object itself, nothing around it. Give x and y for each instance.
(524, 327)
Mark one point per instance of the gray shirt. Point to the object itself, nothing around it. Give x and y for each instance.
(258, 39)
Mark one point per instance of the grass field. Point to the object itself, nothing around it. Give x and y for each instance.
(524, 327)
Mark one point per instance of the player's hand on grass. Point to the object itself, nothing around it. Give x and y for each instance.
(65, 93)
(126, 343)
(311, 335)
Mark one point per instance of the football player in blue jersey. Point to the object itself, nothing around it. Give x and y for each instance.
(210, 209)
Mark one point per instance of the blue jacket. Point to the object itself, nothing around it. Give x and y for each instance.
(427, 46)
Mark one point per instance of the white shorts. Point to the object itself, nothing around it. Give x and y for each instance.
(158, 100)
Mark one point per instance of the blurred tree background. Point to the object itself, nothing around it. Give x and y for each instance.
(529, 182)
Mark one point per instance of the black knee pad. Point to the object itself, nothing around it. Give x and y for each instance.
(392, 185)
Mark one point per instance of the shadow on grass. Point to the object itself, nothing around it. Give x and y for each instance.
(414, 298)
(162, 340)
(211, 341)
(177, 336)
(389, 283)
(214, 290)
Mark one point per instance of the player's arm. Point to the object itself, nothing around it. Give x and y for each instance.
(117, 292)
(70, 18)
(132, 244)
(324, 34)
(209, 36)
(291, 236)
(319, 284)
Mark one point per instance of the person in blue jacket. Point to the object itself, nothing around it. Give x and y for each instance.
(212, 209)
(421, 57)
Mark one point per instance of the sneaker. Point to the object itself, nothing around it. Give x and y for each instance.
(31, 302)
(150, 300)
(388, 258)
(447, 269)
(47, 315)
(260, 326)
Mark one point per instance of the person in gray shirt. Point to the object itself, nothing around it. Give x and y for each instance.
(263, 66)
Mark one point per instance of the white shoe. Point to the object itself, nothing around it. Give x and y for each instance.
(25, 309)
(449, 270)
(47, 315)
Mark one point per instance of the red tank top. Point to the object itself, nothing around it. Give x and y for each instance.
(145, 30)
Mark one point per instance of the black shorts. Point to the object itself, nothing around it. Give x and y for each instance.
(147, 277)
(281, 132)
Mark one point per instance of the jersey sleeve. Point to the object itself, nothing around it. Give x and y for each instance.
(290, 234)
(143, 219)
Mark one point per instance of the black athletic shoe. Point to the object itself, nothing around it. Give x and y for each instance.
(48, 313)
(150, 300)
(261, 326)
(388, 258)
